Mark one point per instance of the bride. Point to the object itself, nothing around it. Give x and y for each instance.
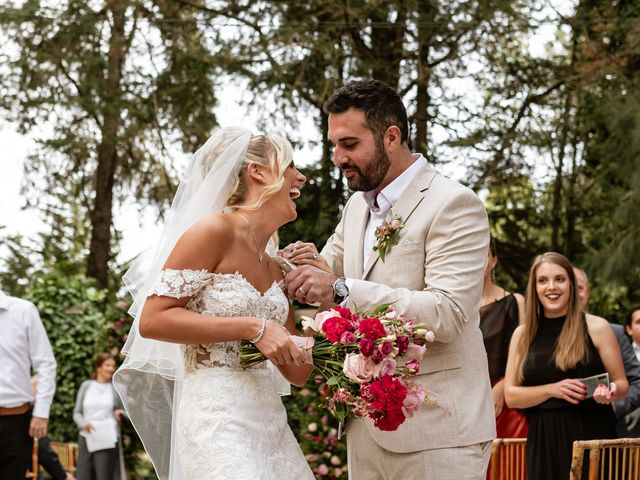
(210, 285)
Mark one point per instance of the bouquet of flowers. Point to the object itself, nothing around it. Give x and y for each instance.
(366, 360)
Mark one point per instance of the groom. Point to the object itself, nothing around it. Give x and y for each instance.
(433, 274)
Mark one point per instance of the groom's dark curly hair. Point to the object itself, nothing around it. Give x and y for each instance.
(381, 105)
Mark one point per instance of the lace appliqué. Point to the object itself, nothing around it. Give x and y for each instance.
(181, 283)
(220, 295)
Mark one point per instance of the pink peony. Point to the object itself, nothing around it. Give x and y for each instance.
(358, 368)
(386, 367)
(414, 351)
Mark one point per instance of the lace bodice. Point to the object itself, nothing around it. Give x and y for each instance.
(223, 295)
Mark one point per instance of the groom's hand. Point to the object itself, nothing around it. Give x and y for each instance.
(309, 284)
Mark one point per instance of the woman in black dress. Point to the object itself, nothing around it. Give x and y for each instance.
(500, 314)
(555, 347)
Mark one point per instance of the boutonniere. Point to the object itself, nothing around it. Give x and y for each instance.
(388, 234)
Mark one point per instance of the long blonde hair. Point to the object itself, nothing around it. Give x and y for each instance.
(271, 151)
(571, 345)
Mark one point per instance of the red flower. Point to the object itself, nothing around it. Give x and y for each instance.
(345, 313)
(387, 393)
(372, 328)
(366, 347)
(323, 392)
(391, 420)
(334, 327)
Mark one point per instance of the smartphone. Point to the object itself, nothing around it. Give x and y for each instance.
(592, 382)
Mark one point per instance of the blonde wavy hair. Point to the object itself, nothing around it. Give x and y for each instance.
(571, 345)
(271, 151)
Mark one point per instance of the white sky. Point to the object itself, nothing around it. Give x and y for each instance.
(14, 148)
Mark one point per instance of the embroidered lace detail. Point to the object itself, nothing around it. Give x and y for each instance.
(221, 295)
(181, 283)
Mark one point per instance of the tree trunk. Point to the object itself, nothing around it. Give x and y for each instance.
(426, 16)
(557, 188)
(101, 215)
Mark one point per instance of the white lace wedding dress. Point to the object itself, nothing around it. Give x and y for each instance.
(231, 422)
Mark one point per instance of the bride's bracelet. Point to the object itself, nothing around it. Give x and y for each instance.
(260, 333)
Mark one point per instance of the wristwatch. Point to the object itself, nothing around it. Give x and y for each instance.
(340, 290)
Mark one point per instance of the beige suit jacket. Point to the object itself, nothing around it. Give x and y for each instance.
(434, 274)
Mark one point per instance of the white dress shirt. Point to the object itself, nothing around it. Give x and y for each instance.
(24, 346)
(385, 201)
(636, 350)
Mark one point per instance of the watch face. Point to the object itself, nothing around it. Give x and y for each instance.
(341, 288)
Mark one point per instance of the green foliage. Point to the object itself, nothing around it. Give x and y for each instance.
(75, 315)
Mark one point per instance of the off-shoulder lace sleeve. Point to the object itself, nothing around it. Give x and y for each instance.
(181, 283)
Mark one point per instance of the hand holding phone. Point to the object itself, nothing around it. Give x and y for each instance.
(591, 383)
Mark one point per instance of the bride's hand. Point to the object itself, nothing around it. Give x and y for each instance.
(305, 253)
(276, 345)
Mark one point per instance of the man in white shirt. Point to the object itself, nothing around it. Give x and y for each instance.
(24, 347)
(431, 271)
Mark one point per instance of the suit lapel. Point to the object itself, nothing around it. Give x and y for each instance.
(363, 218)
(404, 207)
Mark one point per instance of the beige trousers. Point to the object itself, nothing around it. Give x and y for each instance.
(369, 461)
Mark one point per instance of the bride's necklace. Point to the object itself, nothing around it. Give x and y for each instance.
(260, 255)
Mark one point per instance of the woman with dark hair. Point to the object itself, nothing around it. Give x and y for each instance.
(97, 403)
(500, 315)
(556, 346)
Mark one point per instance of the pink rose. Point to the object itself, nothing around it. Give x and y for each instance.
(358, 368)
(412, 401)
(377, 356)
(347, 338)
(430, 336)
(322, 469)
(386, 367)
(413, 365)
(386, 348)
(414, 351)
(341, 395)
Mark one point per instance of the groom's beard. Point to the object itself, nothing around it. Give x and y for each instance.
(372, 175)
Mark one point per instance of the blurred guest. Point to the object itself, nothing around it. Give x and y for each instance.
(49, 460)
(631, 367)
(24, 347)
(556, 346)
(500, 314)
(96, 402)
(632, 326)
